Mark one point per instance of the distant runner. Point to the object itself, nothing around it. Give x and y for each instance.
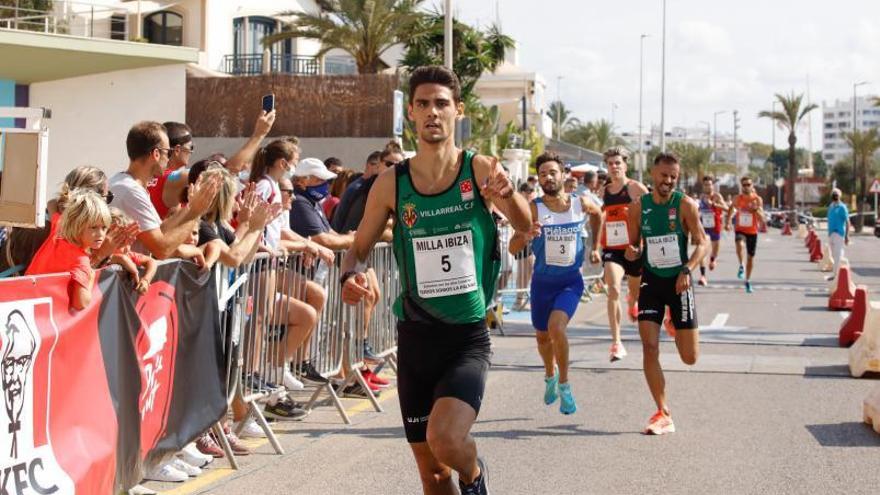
(748, 208)
(712, 207)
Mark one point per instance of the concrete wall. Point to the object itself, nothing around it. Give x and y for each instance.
(352, 151)
(91, 115)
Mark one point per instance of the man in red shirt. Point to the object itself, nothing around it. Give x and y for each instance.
(165, 190)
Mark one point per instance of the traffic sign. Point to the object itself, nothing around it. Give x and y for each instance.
(875, 187)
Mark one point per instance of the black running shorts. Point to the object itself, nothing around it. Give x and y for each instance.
(751, 242)
(657, 293)
(631, 268)
(439, 360)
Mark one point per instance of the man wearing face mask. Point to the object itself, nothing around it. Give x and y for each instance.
(310, 186)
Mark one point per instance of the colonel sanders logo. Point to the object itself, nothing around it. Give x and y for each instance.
(27, 461)
(157, 349)
(409, 215)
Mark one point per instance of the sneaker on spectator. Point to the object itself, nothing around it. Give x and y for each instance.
(286, 409)
(166, 473)
(238, 448)
(371, 356)
(250, 429)
(374, 379)
(191, 455)
(311, 374)
(290, 381)
(184, 467)
(141, 490)
(255, 383)
(355, 391)
(208, 446)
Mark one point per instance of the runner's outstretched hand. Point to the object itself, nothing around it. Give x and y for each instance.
(498, 185)
(355, 288)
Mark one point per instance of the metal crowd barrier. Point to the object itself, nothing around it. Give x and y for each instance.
(254, 301)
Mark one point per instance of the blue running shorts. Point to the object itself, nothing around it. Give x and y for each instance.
(561, 293)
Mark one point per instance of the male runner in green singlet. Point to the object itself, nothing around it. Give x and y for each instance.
(445, 243)
(662, 223)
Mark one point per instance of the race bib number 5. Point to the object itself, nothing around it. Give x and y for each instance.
(746, 219)
(445, 264)
(663, 251)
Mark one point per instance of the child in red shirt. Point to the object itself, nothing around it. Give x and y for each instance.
(82, 228)
(128, 259)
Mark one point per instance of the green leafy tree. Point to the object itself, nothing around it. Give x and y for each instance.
(820, 166)
(32, 10)
(365, 29)
(864, 144)
(475, 51)
(559, 113)
(694, 161)
(793, 111)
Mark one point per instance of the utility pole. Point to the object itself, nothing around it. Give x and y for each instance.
(641, 97)
(735, 142)
(715, 138)
(663, 86)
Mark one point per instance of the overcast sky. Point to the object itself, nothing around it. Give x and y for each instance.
(721, 55)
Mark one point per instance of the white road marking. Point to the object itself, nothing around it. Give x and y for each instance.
(719, 321)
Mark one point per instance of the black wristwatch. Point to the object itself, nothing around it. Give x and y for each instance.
(685, 270)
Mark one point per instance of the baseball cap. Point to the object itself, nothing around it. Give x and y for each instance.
(312, 167)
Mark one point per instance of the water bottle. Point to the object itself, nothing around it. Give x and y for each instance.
(321, 273)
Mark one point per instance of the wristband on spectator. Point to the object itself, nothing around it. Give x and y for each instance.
(347, 275)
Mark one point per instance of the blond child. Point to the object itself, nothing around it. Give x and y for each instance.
(82, 229)
(128, 259)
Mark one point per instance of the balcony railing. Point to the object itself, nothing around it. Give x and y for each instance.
(252, 64)
(68, 17)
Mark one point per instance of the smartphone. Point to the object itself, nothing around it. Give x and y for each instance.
(269, 103)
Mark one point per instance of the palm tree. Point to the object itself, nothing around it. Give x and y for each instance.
(864, 144)
(694, 160)
(597, 135)
(793, 110)
(565, 119)
(365, 29)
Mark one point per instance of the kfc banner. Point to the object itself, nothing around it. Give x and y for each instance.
(92, 397)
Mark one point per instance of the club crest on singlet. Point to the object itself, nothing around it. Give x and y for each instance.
(409, 215)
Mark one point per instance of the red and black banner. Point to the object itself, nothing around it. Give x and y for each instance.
(92, 397)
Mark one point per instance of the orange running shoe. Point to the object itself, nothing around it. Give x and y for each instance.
(659, 424)
(668, 325)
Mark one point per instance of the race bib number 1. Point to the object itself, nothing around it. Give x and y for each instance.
(445, 264)
(616, 233)
(663, 251)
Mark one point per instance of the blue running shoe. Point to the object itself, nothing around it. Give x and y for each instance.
(566, 400)
(550, 385)
(741, 272)
(749, 288)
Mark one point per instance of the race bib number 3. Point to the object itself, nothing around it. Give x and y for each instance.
(746, 219)
(445, 264)
(560, 249)
(617, 234)
(663, 251)
(708, 220)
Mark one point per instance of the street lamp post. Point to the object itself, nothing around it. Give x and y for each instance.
(641, 97)
(558, 108)
(715, 135)
(855, 109)
(663, 86)
(447, 36)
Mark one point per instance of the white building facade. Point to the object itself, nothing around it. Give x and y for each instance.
(837, 120)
